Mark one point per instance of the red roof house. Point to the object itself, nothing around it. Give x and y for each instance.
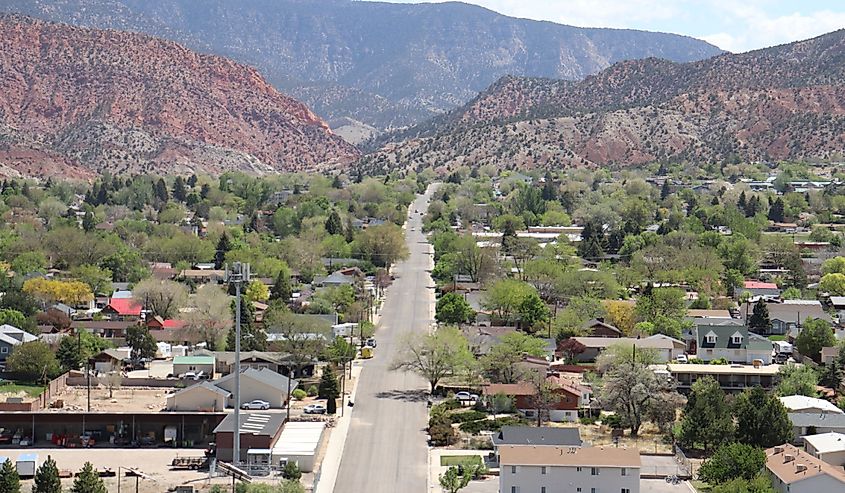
(123, 309)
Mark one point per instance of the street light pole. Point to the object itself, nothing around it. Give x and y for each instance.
(238, 275)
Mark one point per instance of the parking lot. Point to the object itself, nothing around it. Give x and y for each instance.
(661, 465)
(661, 486)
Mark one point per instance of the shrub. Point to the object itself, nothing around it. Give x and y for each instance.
(299, 394)
(612, 420)
(291, 471)
(588, 420)
(467, 416)
(501, 403)
(734, 461)
(441, 431)
(719, 361)
(312, 391)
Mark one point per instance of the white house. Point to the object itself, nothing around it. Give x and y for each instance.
(731, 340)
(10, 337)
(804, 404)
(544, 469)
(829, 447)
(795, 471)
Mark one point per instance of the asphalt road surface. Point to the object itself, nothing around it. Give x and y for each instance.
(385, 450)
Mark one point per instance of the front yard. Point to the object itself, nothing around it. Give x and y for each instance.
(17, 389)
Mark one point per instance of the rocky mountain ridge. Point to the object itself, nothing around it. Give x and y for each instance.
(77, 101)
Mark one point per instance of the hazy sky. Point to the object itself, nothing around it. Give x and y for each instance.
(733, 25)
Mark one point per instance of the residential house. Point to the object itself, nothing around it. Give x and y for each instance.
(697, 313)
(277, 362)
(788, 315)
(666, 348)
(158, 323)
(196, 364)
(829, 354)
(838, 304)
(597, 327)
(795, 471)
(543, 469)
(123, 309)
(829, 447)
(731, 378)
(482, 339)
(259, 430)
(731, 341)
(113, 330)
(804, 404)
(264, 384)
(203, 276)
(760, 288)
(813, 423)
(570, 398)
(202, 397)
(10, 338)
(343, 277)
(109, 360)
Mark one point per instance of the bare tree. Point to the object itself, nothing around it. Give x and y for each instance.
(434, 356)
(209, 317)
(545, 394)
(161, 298)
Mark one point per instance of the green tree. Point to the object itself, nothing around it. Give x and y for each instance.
(180, 193)
(833, 284)
(504, 298)
(334, 225)
(631, 389)
(815, 334)
(47, 478)
(97, 278)
(252, 338)
(452, 308)
(224, 245)
(733, 461)
(282, 290)
(791, 293)
(256, 291)
(760, 484)
(661, 304)
(382, 245)
(797, 380)
(329, 388)
(13, 318)
(27, 262)
(452, 481)
(443, 354)
(761, 419)
(33, 362)
(533, 312)
(10, 482)
(72, 355)
(707, 418)
(88, 481)
(143, 344)
(776, 211)
(759, 320)
(835, 265)
(502, 361)
(88, 221)
(291, 471)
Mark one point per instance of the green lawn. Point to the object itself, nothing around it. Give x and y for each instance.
(460, 460)
(14, 388)
(700, 486)
(777, 338)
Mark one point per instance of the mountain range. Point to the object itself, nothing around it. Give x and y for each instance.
(77, 101)
(369, 66)
(784, 102)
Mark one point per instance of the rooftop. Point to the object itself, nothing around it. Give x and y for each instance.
(759, 285)
(648, 342)
(826, 443)
(724, 369)
(533, 455)
(791, 465)
(193, 360)
(796, 403)
(262, 423)
(532, 435)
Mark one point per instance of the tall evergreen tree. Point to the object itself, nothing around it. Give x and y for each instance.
(707, 418)
(665, 190)
(334, 225)
(549, 188)
(10, 482)
(282, 290)
(349, 232)
(761, 419)
(179, 191)
(759, 319)
(252, 338)
(776, 211)
(88, 481)
(160, 190)
(223, 247)
(192, 181)
(329, 387)
(47, 478)
(336, 183)
(88, 222)
(742, 202)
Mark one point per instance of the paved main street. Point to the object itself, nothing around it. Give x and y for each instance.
(385, 450)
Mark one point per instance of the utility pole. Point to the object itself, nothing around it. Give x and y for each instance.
(238, 275)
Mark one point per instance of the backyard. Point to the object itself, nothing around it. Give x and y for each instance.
(17, 389)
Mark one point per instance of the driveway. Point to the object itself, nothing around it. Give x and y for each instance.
(661, 486)
(661, 465)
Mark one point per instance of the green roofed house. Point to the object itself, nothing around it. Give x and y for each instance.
(732, 341)
(196, 364)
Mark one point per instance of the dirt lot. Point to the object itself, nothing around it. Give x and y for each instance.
(124, 399)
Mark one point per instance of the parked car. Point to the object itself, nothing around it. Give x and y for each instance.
(189, 375)
(256, 404)
(681, 358)
(371, 342)
(466, 396)
(314, 409)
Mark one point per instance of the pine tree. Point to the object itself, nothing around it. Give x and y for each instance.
(329, 388)
(192, 181)
(664, 190)
(223, 247)
(350, 230)
(179, 191)
(88, 481)
(549, 189)
(742, 202)
(252, 338)
(759, 320)
(160, 190)
(707, 418)
(334, 225)
(10, 482)
(103, 195)
(761, 419)
(282, 290)
(205, 189)
(336, 183)
(47, 478)
(776, 212)
(88, 222)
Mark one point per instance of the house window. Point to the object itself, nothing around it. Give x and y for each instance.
(594, 471)
(625, 490)
(543, 471)
(4, 350)
(736, 340)
(624, 472)
(710, 339)
(578, 469)
(542, 489)
(513, 469)
(514, 489)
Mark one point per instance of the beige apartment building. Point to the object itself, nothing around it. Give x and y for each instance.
(543, 469)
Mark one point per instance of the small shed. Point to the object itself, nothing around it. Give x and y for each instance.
(299, 442)
(184, 364)
(202, 397)
(26, 465)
